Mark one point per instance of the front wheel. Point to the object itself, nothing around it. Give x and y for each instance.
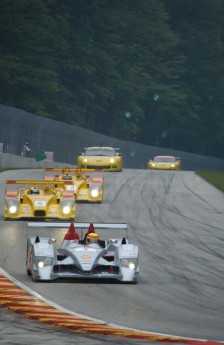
(33, 276)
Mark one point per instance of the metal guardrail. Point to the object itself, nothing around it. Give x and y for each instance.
(66, 141)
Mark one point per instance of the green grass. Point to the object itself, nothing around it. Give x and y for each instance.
(216, 178)
(4, 169)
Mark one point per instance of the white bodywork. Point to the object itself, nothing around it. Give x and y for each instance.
(113, 258)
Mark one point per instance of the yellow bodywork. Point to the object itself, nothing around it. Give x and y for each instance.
(86, 188)
(164, 163)
(50, 201)
(97, 157)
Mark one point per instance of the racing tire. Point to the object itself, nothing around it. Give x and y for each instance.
(34, 279)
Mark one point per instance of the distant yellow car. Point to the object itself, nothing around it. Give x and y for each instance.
(86, 188)
(100, 157)
(39, 200)
(164, 163)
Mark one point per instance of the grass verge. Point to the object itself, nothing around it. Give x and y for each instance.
(216, 178)
(4, 169)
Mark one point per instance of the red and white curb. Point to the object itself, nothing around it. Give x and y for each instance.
(16, 297)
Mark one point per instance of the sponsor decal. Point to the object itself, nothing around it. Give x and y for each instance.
(70, 187)
(40, 203)
(86, 257)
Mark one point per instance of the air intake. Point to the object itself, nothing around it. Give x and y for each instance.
(39, 213)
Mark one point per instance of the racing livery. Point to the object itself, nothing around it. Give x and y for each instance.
(87, 188)
(111, 258)
(39, 199)
(105, 158)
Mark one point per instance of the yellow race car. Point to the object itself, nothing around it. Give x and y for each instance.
(39, 200)
(100, 157)
(164, 163)
(86, 188)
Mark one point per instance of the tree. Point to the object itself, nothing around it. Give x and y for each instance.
(146, 70)
(200, 26)
(27, 76)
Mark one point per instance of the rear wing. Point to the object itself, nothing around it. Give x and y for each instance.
(82, 226)
(62, 170)
(120, 226)
(39, 182)
(115, 148)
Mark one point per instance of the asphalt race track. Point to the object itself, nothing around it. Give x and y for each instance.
(176, 219)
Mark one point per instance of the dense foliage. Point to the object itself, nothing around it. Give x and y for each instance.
(150, 71)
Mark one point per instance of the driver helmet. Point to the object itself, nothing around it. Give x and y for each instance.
(78, 173)
(67, 177)
(34, 190)
(92, 238)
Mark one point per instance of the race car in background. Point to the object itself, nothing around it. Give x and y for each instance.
(108, 258)
(101, 157)
(38, 200)
(86, 188)
(164, 163)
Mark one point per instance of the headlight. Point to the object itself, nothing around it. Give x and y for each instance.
(85, 160)
(12, 205)
(130, 263)
(43, 262)
(124, 262)
(66, 209)
(66, 206)
(94, 193)
(13, 209)
(112, 160)
(172, 165)
(153, 164)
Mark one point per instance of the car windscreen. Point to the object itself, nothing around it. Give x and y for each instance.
(99, 152)
(164, 159)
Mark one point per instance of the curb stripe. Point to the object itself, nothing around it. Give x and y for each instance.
(18, 299)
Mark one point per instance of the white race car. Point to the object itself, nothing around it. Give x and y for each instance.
(82, 256)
